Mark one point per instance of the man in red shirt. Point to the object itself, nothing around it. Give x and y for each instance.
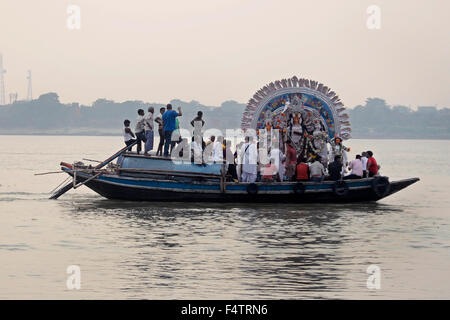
(302, 170)
(372, 165)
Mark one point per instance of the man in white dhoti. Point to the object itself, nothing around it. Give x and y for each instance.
(249, 161)
(217, 150)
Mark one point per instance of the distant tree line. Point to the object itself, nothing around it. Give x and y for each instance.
(47, 115)
(376, 119)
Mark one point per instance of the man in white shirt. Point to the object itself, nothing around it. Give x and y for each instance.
(357, 168)
(148, 128)
(316, 170)
(249, 163)
(139, 130)
(364, 163)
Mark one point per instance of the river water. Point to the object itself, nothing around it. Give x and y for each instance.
(129, 250)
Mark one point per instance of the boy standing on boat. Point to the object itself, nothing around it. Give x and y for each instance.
(169, 126)
(139, 130)
(148, 128)
(128, 135)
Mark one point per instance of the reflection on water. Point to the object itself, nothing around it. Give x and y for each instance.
(207, 251)
(265, 252)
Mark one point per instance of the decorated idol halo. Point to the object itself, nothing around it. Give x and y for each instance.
(283, 98)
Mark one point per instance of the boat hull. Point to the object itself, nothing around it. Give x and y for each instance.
(142, 189)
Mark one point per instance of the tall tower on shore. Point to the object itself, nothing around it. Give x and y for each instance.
(30, 90)
(2, 82)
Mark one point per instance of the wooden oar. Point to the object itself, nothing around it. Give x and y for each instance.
(69, 186)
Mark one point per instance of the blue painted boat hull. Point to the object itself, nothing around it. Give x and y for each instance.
(144, 189)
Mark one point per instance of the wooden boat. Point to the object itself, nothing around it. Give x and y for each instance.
(140, 178)
(281, 106)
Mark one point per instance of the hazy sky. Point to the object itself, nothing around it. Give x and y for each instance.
(217, 50)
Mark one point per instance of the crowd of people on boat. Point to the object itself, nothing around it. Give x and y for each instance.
(285, 161)
(290, 167)
(168, 124)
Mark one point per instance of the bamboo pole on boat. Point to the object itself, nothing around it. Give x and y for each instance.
(44, 173)
(70, 185)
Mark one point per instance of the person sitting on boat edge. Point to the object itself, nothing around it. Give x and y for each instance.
(302, 169)
(148, 128)
(160, 123)
(335, 169)
(357, 168)
(128, 135)
(372, 165)
(169, 126)
(139, 130)
(316, 169)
